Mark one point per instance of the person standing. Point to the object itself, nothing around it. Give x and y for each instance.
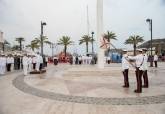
(41, 62)
(2, 64)
(25, 64)
(145, 68)
(55, 60)
(9, 60)
(37, 62)
(139, 59)
(156, 59)
(125, 68)
(34, 60)
(29, 63)
(46, 61)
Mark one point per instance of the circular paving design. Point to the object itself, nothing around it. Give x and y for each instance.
(19, 83)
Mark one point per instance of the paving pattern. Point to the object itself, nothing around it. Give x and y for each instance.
(20, 84)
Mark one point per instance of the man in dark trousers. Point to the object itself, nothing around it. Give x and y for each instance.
(125, 68)
(139, 59)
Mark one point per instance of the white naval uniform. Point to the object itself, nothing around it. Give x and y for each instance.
(25, 65)
(139, 60)
(29, 64)
(125, 63)
(2, 65)
(37, 62)
(145, 65)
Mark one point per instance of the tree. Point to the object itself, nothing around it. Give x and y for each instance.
(109, 36)
(33, 45)
(20, 40)
(6, 43)
(134, 40)
(86, 39)
(45, 40)
(65, 41)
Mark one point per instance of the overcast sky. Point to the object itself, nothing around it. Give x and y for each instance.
(21, 18)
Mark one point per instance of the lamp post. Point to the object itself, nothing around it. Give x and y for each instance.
(92, 42)
(150, 24)
(42, 24)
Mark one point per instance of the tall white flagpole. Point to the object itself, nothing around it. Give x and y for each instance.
(100, 32)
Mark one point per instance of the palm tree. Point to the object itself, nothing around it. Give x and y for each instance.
(65, 41)
(86, 39)
(20, 40)
(45, 40)
(33, 45)
(5, 44)
(109, 36)
(134, 40)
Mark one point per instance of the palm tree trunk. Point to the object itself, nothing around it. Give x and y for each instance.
(87, 47)
(134, 46)
(65, 48)
(20, 45)
(109, 46)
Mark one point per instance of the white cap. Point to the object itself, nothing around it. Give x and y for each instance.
(125, 50)
(139, 50)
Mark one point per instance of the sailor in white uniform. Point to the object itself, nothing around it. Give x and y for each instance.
(29, 63)
(37, 62)
(145, 68)
(125, 68)
(25, 64)
(139, 59)
(2, 64)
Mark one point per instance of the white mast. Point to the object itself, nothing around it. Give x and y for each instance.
(87, 21)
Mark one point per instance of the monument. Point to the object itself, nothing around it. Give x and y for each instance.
(100, 33)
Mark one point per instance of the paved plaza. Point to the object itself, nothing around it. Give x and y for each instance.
(81, 89)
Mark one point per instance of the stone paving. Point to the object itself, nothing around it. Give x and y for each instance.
(66, 89)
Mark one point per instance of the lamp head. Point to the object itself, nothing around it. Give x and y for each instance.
(92, 33)
(148, 20)
(43, 23)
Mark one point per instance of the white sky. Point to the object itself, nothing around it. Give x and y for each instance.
(21, 18)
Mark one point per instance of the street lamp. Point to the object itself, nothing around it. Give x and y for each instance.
(92, 42)
(42, 24)
(150, 23)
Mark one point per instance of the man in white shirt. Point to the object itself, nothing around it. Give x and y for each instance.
(139, 59)
(125, 68)
(25, 64)
(156, 59)
(38, 62)
(2, 64)
(41, 62)
(145, 68)
(34, 60)
(29, 63)
(10, 61)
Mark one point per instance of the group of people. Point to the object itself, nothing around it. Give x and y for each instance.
(89, 59)
(27, 62)
(140, 66)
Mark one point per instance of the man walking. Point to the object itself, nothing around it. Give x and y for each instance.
(156, 59)
(125, 68)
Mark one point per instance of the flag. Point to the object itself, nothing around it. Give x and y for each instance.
(104, 43)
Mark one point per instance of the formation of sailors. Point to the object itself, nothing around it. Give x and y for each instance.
(25, 62)
(140, 66)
